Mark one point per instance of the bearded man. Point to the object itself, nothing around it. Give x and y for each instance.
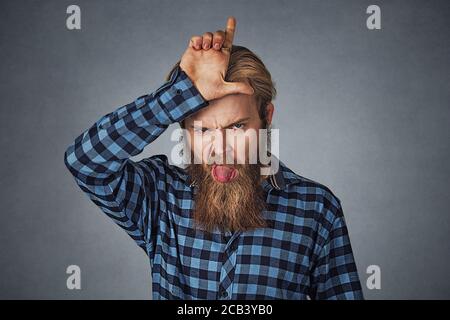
(216, 229)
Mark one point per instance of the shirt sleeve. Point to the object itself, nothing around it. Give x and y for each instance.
(99, 158)
(335, 276)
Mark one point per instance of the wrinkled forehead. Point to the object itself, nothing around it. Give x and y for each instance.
(225, 111)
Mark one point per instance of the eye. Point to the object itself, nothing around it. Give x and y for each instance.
(238, 126)
(200, 130)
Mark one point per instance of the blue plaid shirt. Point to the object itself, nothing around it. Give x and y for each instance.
(304, 252)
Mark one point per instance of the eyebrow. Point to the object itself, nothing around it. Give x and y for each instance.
(230, 125)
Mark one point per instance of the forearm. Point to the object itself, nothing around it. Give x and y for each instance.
(99, 153)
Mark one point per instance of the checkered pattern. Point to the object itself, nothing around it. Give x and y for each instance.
(303, 252)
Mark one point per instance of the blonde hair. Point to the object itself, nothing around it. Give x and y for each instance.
(246, 66)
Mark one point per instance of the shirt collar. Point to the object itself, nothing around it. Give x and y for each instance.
(282, 178)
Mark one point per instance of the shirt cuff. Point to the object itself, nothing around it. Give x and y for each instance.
(179, 97)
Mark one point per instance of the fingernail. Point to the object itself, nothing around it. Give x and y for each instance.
(216, 46)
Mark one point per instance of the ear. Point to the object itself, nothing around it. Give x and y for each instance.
(269, 112)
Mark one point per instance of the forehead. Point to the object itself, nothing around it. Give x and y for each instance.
(225, 110)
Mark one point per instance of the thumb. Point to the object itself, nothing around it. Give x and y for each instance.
(237, 87)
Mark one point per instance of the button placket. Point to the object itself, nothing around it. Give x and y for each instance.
(228, 265)
(234, 245)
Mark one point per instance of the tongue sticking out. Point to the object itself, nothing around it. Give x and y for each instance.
(223, 173)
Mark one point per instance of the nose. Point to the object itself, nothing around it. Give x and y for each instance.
(221, 149)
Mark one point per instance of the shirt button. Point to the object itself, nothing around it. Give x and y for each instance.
(223, 293)
(179, 91)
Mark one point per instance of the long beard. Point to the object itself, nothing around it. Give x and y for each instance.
(234, 206)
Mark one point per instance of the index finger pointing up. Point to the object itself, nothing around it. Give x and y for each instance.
(229, 33)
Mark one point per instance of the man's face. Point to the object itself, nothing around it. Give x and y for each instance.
(226, 166)
(225, 132)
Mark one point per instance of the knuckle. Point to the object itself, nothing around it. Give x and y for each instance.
(195, 38)
(207, 35)
(218, 38)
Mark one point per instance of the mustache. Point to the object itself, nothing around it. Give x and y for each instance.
(201, 172)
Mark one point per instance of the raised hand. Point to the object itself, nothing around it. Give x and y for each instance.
(206, 60)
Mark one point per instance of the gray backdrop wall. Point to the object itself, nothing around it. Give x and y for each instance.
(364, 112)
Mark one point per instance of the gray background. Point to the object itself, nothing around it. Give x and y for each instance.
(364, 112)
